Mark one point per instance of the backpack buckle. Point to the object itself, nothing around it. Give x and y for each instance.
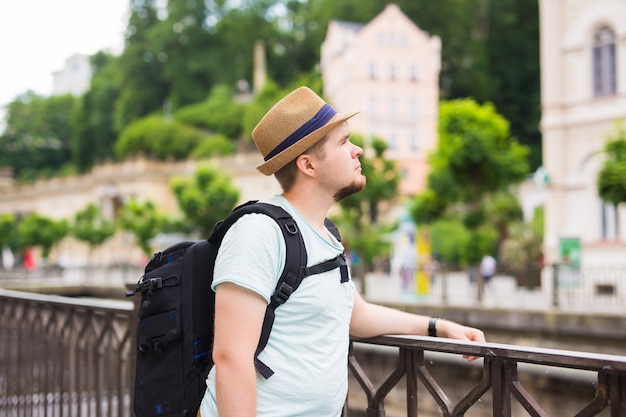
(282, 293)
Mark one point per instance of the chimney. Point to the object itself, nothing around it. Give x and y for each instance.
(259, 76)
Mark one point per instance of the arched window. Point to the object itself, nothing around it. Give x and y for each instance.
(604, 62)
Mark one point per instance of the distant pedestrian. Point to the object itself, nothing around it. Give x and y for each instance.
(487, 268)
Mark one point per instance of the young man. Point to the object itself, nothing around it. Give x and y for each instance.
(306, 145)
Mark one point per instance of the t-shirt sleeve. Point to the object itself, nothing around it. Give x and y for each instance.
(252, 255)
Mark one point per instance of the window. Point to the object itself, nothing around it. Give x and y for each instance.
(413, 107)
(393, 141)
(393, 72)
(413, 73)
(604, 62)
(609, 221)
(372, 71)
(372, 106)
(393, 106)
(414, 141)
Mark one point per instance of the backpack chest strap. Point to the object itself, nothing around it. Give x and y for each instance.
(338, 262)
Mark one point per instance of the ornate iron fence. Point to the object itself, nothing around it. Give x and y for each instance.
(499, 375)
(64, 357)
(73, 357)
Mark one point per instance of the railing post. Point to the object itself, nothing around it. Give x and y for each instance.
(500, 390)
(133, 346)
(555, 285)
(444, 286)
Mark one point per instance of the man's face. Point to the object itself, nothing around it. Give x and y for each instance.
(341, 169)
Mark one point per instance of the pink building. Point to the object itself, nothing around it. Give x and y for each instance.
(389, 69)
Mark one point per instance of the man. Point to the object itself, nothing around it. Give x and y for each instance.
(306, 145)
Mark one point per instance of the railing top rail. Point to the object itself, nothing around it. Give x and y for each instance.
(535, 355)
(105, 305)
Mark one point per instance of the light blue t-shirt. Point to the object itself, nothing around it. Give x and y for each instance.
(308, 344)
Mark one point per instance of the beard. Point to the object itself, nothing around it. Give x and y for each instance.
(354, 187)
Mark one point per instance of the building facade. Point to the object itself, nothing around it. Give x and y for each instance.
(74, 78)
(583, 94)
(388, 69)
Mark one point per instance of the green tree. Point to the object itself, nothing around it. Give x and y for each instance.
(185, 49)
(512, 52)
(143, 89)
(502, 209)
(475, 160)
(9, 232)
(205, 198)
(143, 220)
(91, 227)
(37, 139)
(94, 135)
(522, 250)
(611, 180)
(37, 230)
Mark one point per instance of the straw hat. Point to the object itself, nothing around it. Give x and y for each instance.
(292, 126)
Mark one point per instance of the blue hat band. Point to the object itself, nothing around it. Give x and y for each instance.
(320, 119)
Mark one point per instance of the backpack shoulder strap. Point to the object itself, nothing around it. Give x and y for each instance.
(295, 269)
(332, 228)
(292, 274)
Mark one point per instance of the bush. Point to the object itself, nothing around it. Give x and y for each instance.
(158, 138)
(218, 113)
(214, 145)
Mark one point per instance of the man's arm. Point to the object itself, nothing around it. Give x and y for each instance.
(369, 320)
(239, 315)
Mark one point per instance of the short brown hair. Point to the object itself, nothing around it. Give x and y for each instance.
(286, 176)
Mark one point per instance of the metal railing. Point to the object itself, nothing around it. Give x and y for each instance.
(499, 374)
(61, 356)
(74, 357)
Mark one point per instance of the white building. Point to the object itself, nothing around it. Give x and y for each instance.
(583, 93)
(74, 78)
(388, 69)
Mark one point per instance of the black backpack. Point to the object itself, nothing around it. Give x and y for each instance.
(176, 314)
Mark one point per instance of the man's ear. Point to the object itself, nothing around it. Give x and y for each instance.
(305, 164)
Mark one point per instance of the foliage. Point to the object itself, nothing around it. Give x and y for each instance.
(158, 138)
(522, 250)
(500, 210)
(471, 169)
(91, 227)
(475, 148)
(140, 68)
(453, 243)
(205, 198)
(260, 104)
(218, 113)
(143, 220)
(214, 145)
(37, 230)
(177, 52)
(611, 178)
(449, 241)
(38, 134)
(94, 135)
(8, 231)
(475, 157)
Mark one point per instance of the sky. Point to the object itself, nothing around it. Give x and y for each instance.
(37, 36)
